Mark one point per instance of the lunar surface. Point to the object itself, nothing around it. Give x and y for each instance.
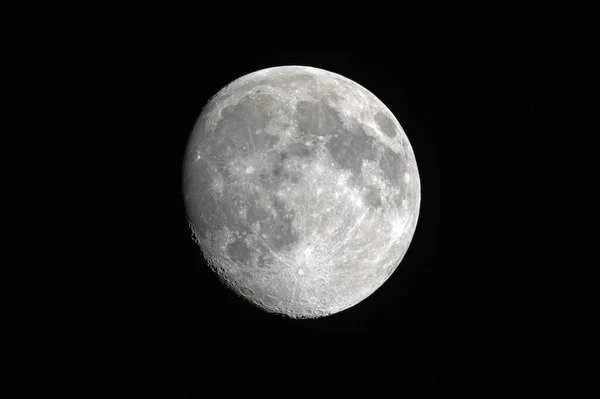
(301, 189)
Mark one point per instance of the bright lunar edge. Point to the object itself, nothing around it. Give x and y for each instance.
(301, 189)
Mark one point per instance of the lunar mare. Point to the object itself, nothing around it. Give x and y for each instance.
(301, 189)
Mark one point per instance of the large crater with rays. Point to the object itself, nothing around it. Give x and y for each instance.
(301, 189)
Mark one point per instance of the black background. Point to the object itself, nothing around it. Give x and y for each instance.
(121, 304)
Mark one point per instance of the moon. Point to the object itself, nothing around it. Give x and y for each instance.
(301, 190)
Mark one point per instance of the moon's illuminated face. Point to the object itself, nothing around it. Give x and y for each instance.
(301, 189)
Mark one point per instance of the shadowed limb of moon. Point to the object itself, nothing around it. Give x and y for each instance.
(301, 189)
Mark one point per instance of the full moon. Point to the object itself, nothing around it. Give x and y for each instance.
(301, 189)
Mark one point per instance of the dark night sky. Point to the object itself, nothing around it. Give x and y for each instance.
(121, 304)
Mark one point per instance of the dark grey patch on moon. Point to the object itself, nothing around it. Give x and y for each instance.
(255, 213)
(372, 196)
(278, 230)
(386, 125)
(241, 127)
(392, 166)
(197, 189)
(269, 177)
(250, 112)
(239, 251)
(281, 173)
(300, 149)
(349, 148)
(316, 118)
(265, 259)
(203, 223)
